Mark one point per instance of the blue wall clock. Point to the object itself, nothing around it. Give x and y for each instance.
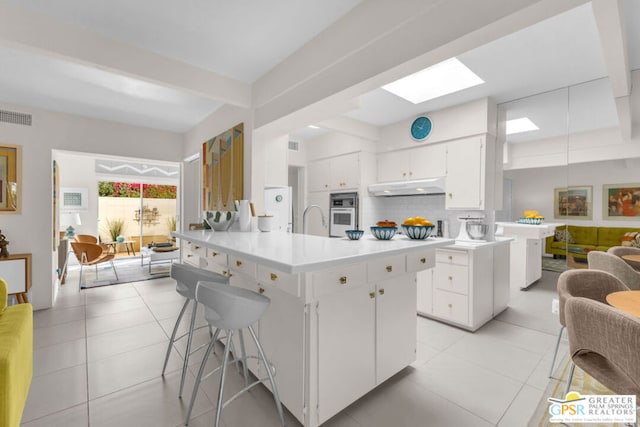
(421, 128)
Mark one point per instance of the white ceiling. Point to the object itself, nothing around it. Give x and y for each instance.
(562, 51)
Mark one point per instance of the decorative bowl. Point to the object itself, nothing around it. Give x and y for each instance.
(220, 220)
(530, 221)
(354, 234)
(418, 232)
(383, 233)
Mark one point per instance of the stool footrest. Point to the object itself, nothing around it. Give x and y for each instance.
(247, 388)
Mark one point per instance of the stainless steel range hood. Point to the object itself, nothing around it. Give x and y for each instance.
(408, 188)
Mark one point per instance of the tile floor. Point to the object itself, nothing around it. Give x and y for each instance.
(98, 356)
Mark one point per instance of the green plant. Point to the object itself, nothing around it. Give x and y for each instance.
(172, 223)
(115, 228)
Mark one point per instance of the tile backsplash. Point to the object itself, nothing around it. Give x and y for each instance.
(397, 208)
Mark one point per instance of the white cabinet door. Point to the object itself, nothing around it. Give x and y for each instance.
(282, 337)
(425, 291)
(395, 325)
(393, 166)
(345, 172)
(534, 260)
(427, 162)
(318, 175)
(314, 220)
(247, 282)
(346, 335)
(465, 174)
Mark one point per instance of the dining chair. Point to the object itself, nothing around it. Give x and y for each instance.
(620, 251)
(88, 238)
(593, 284)
(603, 342)
(615, 265)
(91, 254)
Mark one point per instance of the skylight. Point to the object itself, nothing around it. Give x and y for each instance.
(523, 124)
(438, 80)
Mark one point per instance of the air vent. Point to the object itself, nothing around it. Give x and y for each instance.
(15, 118)
(294, 146)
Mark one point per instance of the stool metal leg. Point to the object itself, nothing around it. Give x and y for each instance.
(274, 389)
(225, 360)
(173, 335)
(553, 362)
(185, 364)
(569, 379)
(196, 385)
(243, 356)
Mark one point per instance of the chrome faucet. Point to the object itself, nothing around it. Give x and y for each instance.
(304, 217)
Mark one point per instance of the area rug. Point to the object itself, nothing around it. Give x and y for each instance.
(128, 271)
(582, 383)
(557, 265)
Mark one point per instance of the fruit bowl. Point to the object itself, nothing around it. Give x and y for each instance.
(418, 232)
(354, 234)
(220, 220)
(383, 233)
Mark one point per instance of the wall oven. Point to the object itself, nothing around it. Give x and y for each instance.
(343, 213)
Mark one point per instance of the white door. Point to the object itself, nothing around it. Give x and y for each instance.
(345, 172)
(464, 174)
(395, 325)
(318, 175)
(393, 166)
(427, 162)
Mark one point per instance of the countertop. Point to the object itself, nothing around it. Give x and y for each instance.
(300, 253)
(471, 245)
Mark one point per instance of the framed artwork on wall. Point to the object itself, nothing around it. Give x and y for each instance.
(10, 184)
(223, 169)
(621, 201)
(573, 202)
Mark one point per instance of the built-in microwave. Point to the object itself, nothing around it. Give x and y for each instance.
(343, 213)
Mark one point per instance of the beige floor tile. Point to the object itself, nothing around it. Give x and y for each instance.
(50, 317)
(122, 320)
(60, 356)
(438, 335)
(164, 311)
(57, 334)
(128, 369)
(104, 294)
(115, 306)
(522, 407)
(165, 284)
(155, 298)
(124, 340)
(55, 392)
(527, 339)
(70, 299)
(150, 404)
(481, 391)
(76, 416)
(403, 403)
(168, 324)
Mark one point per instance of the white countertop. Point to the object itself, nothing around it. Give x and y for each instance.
(299, 253)
(532, 231)
(471, 244)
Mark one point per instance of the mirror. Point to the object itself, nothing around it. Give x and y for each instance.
(10, 161)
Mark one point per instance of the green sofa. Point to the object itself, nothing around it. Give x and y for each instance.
(590, 238)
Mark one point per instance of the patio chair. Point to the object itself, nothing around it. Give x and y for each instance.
(91, 254)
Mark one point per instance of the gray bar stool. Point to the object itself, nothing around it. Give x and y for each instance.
(232, 309)
(187, 278)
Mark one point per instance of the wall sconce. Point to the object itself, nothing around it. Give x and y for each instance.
(147, 216)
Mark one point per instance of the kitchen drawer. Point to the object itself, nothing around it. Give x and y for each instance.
(208, 264)
(386, 268)
(242, 266)
(446, 256)
(284, 281)
(419, 261)
(339, 279)
(216, 257)
(453, 278)
(197, 249)
(451, 306)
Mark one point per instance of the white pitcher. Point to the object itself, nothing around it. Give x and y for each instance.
(244, 215)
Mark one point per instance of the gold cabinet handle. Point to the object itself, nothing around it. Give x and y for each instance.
(450, 195)
(214, 253)
(196, 247)
(274, 276)
(261, 291)
(343, 280)
(389, 268)
(450, 277)
(372, 294)
(450, 305)
(238, 263)
(423, 260)
(450, 257)
(189, 255)
(381, 291)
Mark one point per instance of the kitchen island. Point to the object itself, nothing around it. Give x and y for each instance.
(342, 318)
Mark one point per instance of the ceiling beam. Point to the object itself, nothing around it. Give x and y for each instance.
(21, 28)
(351, 127)
(609, 16)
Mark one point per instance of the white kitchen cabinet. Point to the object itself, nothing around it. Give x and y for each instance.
(415, 163)
(424, 281)
(346, 325)
(465, 174)
(396, 326)
(470, 286)
(338, 173)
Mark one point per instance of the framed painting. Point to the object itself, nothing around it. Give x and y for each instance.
(621, 201)
(573, 203)
(10, 179)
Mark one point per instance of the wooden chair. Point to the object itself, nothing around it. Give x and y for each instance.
(91, 254)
